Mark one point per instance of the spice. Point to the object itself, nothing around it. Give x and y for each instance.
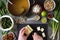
(36, 9)
(44, 20)
(49, 5)
(9, 36)
(50, 15)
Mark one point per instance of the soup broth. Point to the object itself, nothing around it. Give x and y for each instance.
(18, 7)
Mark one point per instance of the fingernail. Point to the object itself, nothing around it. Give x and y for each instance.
(35, 33)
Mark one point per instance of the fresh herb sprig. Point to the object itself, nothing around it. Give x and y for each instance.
(54, 25)
(3, 9)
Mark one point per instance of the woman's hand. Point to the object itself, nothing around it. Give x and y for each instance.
(37, 37)
(21, 34)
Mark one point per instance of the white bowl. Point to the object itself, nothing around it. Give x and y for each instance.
(7, 29)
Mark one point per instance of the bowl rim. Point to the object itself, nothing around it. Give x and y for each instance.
(7, 29)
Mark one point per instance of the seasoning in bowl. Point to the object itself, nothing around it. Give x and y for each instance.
(6, 23)
(44, 20)
(4, 37)
(50, 15)
(36, 17)
(22, 19)
(49, 5)
(9, 36)
(36, 9)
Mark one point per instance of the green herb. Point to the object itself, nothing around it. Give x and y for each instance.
(3, 9)
(54, 25)
(6, 22)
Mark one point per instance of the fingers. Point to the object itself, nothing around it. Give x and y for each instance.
(22, 31)
(34, 35)
(21, 34)
(37, 37)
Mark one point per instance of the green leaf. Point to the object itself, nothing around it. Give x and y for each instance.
(5, 32)
(6, 11)
(0, 4)
(3, 4)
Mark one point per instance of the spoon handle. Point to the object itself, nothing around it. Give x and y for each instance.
(55, 20)
(29, 19)
(10, 2)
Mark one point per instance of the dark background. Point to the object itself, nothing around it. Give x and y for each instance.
(34, 26)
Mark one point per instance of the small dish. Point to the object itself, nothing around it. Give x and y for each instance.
(51, 17)
(7, 29)
(49, 5)
(36, 9)
(9, 35)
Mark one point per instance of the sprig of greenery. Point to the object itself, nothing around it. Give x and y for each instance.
(54, 25)
(3, 9)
